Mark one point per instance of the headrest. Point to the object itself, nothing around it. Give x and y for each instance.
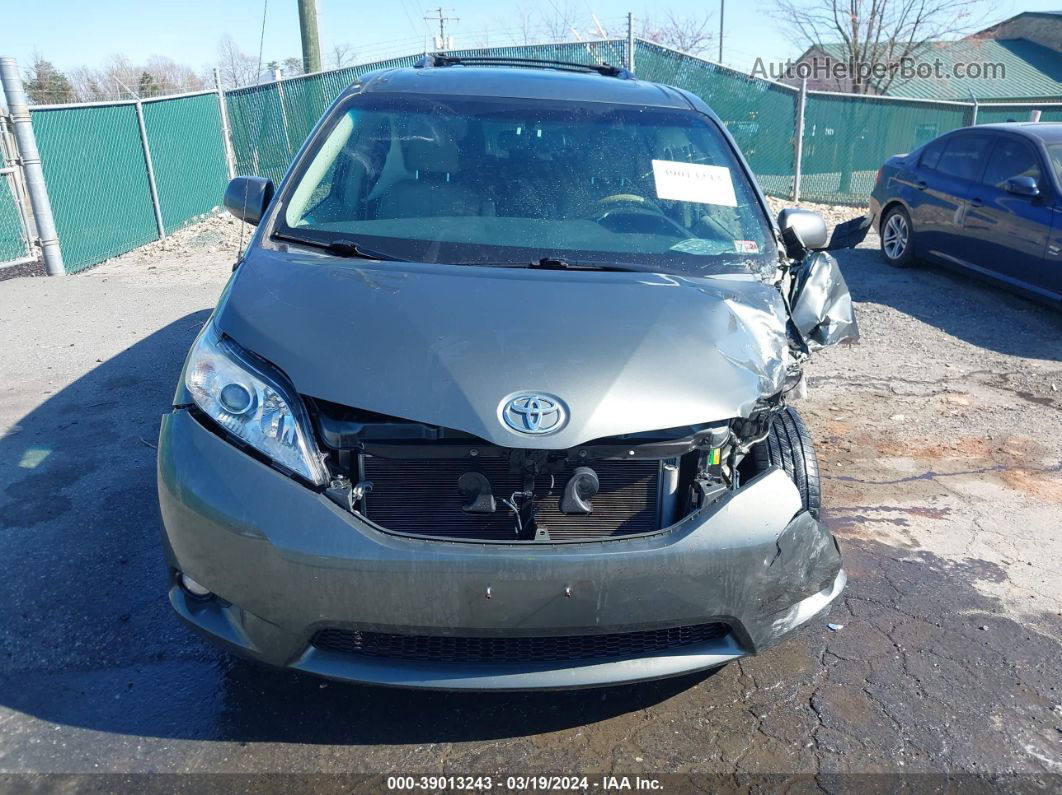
(434, 155)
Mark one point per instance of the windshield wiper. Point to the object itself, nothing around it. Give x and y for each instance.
(341, 247)
(558, 264)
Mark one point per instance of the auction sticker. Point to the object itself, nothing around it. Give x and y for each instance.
(694, 182)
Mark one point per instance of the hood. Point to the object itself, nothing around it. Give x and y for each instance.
(451, 345)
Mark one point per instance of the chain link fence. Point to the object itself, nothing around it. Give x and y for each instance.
(95, 157)
(13, 244)
(188, 154)
(96, 174)
(847, 138)
(761, 115)
(14, 237)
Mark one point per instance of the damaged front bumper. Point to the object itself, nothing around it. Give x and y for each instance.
(285, 563)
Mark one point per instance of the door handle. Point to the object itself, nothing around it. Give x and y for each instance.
(975, 202)
(921, 184)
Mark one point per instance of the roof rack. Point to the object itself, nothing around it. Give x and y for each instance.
(439, 59)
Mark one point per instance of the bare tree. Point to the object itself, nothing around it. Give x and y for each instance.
(875, 36)
(235, 67)
(120, 78)
(691, 34)
(172, 77)
(523, 16)
(558, 18)
(341, 55)
(89, 86)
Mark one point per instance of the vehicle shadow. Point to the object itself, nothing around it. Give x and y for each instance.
(967, 308)
(87, 637)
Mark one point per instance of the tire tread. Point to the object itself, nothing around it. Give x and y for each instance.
(789, 445)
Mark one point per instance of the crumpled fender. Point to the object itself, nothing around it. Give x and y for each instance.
(821, 306)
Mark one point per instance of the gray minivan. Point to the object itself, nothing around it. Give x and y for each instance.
(498, 395)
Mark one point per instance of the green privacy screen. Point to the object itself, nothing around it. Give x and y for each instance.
(760, 115)
(846, 139)
(97, 180)
(188, 155)
(12, 240)
(994, 114)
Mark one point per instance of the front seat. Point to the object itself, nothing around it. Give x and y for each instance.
(434, 189)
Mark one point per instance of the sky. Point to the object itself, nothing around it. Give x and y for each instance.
(71, 33)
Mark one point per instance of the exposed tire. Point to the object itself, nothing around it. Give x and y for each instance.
(898, 238)
(789, 446)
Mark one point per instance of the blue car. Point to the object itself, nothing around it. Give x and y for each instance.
(986, 200)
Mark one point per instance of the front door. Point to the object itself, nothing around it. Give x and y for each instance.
(1007, 233)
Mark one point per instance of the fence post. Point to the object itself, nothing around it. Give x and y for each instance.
(30, 159)
(150, 170)
(226, 131)
(630, 41)
(283, 111)
(798, 138)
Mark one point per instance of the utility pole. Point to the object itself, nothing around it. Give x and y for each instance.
(311, 43)
(442, 43)
(722, 10)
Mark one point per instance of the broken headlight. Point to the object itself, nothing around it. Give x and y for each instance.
(252, 402)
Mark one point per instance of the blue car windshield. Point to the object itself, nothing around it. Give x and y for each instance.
(470, 180)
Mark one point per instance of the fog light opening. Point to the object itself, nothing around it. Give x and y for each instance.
(192, 588)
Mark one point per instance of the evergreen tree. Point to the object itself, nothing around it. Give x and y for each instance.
(46, 85)
(146, 86)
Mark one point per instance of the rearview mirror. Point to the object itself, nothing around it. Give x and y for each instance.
(802, 231)
(248, 197)
(1023, 186)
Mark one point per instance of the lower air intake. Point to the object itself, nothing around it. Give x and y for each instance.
(565, 648)
(421, 496)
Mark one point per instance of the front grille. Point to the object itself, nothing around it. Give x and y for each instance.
(421, 496)
(563, 648)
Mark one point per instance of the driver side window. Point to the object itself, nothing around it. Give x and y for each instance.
(1011, 158)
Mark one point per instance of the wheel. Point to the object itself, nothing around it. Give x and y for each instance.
(789, 445)
(897, 238)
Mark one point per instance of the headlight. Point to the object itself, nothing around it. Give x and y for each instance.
(252, 403)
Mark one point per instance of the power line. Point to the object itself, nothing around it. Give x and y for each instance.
(440, 16)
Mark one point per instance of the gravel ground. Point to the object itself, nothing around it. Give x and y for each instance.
(939, 435)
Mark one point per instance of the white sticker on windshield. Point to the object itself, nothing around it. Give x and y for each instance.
(693, 182)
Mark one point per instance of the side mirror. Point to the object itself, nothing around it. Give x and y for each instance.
(820, 304)
(1023, 186)
(248, 197)
(802, 231)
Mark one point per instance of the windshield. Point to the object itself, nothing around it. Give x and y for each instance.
(507, 182)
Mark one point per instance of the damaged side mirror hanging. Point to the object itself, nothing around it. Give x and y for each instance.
(820, 305)
(802, 231)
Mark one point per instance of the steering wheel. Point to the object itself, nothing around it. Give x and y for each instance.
(617, 201)
(629, 212)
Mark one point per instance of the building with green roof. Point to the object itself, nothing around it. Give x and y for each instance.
(1016, 60)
